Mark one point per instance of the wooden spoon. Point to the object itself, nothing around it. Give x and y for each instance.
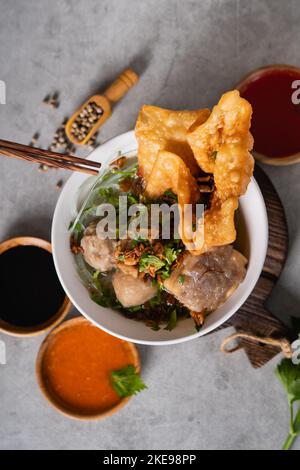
(103, 103)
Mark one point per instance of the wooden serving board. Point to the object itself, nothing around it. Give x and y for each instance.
(253, 317)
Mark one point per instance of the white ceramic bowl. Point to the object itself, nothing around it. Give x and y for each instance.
(253, 211)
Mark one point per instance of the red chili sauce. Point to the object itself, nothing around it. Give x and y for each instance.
(276, 119)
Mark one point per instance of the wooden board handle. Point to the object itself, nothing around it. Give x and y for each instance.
(121, 85)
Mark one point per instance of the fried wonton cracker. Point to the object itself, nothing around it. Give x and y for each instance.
(221, 145)
(170, 172)
(233, 170)
(162, 129)
(217, 227)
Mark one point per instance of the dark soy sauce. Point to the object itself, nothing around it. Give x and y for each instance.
(30, 291)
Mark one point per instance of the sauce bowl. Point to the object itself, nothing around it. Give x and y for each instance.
(56, 318)
(288, 159)
(53, 397)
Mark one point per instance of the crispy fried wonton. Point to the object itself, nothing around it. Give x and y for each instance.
(217, 228)
(170, 172)
(162, 129)
(233, 170)
(221, 145)
(175, 145)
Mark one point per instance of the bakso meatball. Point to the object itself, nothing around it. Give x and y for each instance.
(204, 282)
(132, 291)
(98, 252)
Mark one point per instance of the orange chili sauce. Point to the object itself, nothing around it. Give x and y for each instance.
(77, 364)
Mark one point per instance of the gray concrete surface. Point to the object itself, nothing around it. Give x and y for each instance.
(189, 51)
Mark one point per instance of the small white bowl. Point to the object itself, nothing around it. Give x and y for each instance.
(254, 215)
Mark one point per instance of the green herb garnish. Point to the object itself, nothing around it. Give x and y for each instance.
(172, 321)
(135, 308)
(110, 196)
(162, 267)
(127, 382)
(125, 173)
(132, 199)
(289, 374)
(95, 275)
(133, 244)
(171, 254)
(164, 273)
(181, 279)
(169, 193)
(138, 240)
(150, 261)
(155, 326)
(77, 231)
(104, 295)
(155, 300)
(213, 155)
